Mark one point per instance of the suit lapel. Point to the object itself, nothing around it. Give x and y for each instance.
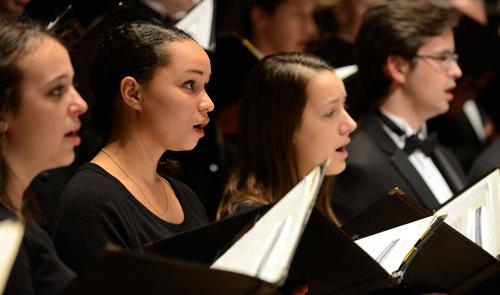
(400, 161)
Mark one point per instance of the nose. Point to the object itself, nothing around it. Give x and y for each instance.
(206, 104)
(78, 105)
(455, 70)
(348, 125)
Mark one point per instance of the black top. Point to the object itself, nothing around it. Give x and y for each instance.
(488, 160)
(96, 209)
(37, 268)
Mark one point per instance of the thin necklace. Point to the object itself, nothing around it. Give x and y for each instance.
(139, 187)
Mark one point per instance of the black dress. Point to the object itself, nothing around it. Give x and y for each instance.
(37, 268)
(96, 209)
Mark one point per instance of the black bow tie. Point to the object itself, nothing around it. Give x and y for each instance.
(427, 145)
(412, 142)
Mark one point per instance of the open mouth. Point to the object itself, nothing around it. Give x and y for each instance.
(70, 134)
(201, 126)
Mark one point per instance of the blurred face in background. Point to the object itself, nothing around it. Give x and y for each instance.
(289, 29)
(13, 7)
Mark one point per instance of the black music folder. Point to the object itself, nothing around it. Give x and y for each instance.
(329, 261)
(457, 263)
(119, 272)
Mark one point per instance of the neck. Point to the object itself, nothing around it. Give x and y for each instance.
(20, 176)
(262, 45)
(137, 157)
(400, 105)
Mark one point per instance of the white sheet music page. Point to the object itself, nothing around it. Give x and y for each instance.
(390, 248)
(198, 22)
(11, 235)
(267, 249)
(476, 213)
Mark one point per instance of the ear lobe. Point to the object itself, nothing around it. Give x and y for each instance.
(4, 125)
(396, 68)
(130, 91)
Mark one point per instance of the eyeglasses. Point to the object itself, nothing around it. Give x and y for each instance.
(446, 59)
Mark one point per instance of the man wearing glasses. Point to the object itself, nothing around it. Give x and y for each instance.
(407, 69)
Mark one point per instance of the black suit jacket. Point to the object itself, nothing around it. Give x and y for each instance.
(376, 165)
(485, 162)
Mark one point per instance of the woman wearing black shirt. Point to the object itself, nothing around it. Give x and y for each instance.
(149, 97)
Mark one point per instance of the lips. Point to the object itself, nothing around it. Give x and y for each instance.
(202, 124)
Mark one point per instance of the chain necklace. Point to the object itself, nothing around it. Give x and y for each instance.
(139, 187)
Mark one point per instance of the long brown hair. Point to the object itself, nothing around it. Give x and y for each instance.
(266, 166)
(17, 39)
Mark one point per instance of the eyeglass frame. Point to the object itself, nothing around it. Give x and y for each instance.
(445, 58)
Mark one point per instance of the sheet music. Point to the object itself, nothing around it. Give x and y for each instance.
(390, 248)
(267, 249)
(476, 213)
(198, 23)
(11, 235)
(346, 71)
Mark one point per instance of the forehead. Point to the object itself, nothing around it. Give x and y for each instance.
(48, 60)
(443, 42)
(325, 87)
(187, 54)
(297, 4)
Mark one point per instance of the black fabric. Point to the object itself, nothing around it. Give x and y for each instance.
(485, 162)
(376, 165)
(97, 209)
(334, 50)
(37, 268)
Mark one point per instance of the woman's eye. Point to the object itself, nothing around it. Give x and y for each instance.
(329, 114)
(189, 85)
(57, 91)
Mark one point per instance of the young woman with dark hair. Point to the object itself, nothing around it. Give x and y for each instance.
(149, 97)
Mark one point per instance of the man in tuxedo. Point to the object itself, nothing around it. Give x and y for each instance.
(407, 69)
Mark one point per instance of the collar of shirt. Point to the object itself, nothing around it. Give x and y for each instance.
(399, 140)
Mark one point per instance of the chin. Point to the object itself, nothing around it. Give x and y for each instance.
(335, 168)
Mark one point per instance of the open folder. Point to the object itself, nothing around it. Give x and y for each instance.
(328, 260)
(460, 255)
(474, 212)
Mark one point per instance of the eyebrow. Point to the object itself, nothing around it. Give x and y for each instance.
(58, 78)
(195, 71)
(336, 100)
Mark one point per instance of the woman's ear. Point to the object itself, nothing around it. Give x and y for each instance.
(4, 122)
(396, 68)
(131, 94)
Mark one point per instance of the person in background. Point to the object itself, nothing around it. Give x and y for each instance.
(148, 98)
(13, 7)
(39, 118)
(407, 63)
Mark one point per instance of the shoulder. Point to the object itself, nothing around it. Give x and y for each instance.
(92, 181)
